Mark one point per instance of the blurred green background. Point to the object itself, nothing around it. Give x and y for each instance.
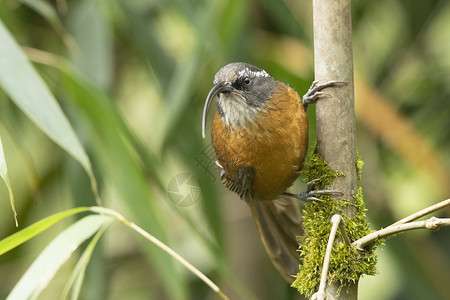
(132, 77)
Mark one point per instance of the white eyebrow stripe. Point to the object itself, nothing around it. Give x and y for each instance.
(248, 72)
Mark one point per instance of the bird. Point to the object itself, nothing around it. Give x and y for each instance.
(260, 137)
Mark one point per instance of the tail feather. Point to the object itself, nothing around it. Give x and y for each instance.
(279, 223)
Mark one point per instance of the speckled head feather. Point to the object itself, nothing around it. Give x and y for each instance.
(232, 71)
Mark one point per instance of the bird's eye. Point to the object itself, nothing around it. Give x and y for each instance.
(246, 81)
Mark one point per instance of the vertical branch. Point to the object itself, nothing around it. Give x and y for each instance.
(335, 116)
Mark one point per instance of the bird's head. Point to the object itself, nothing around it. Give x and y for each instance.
(241, 91)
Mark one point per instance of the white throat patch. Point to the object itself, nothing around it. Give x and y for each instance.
(236, 113)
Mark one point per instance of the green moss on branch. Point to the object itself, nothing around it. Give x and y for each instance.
(347, 264)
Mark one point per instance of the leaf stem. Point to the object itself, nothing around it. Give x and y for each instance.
(162, 246)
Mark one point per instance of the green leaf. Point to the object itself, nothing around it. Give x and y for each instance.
(58, 251)
(26, 88)
(31, 231)
(180, 86)
(46, 11)
(162, 246)
(49, 13)
(76, 279)
(4, 175)
(88, 22)
(125, 174)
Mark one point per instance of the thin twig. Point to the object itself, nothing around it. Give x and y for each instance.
(423, 212)
(178, 257)
(321, 293)
(432, 223)
(164, 247)
(343, 232)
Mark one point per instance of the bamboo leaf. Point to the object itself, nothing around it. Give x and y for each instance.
(49, 13)
(76, 279)
(29, 92)
(31, 231)
(125, 173)
(162, 246)
(91, 30)
(58, 251)
(46, 11)
(4, 175)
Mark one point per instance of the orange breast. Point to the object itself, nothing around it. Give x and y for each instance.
(274, 145)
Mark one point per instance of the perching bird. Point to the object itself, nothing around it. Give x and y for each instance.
(260, 136)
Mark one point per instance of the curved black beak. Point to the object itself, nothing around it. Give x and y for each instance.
(221, 87)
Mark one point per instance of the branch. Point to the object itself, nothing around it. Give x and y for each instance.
(337, 222)
(343, 232)
(423, 212)
(404, 225)
(335, 115)
(432, 223)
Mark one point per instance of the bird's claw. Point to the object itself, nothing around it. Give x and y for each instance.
(314, 91)
(310, 195)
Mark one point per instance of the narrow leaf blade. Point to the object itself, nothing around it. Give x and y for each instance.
(58, 251)
(4, 175)
(76, 279)
(31, 231)
(26, 88)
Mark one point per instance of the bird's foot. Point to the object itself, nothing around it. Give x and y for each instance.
(315, 89)
(310, 195)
